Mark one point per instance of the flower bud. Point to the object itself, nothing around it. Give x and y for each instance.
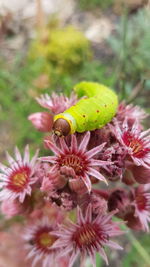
(119, 200)
(128, 178)
(78, 186)
(53, 181)
(11, 208)
(132, 221)
(42, 121)
(141, 174)
(99, 204)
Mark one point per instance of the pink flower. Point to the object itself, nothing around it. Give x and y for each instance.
(116, 154)
(53, 181)
(80, 160)
(132, 221)
(136, 143)
(133, 209)
(119, 200)
(19, 177)
(39, 243)
(87, 236)
(42, 170)
(98, 203)
(142, 206)
(56, 103)
(42, 121)
(11, 208)
(131, 113)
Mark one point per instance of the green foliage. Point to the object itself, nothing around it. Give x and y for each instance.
(97, 72)
(15, 107)
(64, 49)
(133, 258)
(88, 4)
(98, 260)
(90, 71)
(131, 46)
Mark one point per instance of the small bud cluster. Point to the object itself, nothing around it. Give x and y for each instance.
(67, 200)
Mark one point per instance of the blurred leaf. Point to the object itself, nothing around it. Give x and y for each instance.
(88, 4)
(133, 258)
(98, 260)
(131, 45)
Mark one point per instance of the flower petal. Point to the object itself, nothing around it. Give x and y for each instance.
(87, 182)
(97, 174)
(84, 143)
(95, 150)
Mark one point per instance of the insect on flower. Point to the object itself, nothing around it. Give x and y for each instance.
(81, 118)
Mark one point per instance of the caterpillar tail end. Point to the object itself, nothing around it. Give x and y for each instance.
(61, 127)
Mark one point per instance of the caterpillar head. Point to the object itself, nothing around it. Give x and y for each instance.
(64, 124)
(61, 127)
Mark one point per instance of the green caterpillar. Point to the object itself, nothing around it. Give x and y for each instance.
(92, 112)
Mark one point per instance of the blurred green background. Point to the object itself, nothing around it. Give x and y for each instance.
(104, 41)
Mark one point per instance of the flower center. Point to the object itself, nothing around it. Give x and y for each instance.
(19, 179)
(135, 144)
(75, 162)
(89, 235)
(44, 240)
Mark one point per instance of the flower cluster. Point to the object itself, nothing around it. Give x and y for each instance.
(68, 199)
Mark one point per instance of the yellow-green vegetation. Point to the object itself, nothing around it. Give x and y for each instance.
(64, 49)
(131, 46)
(93, 4)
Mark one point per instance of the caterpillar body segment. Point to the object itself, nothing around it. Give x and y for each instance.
(95, 110)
